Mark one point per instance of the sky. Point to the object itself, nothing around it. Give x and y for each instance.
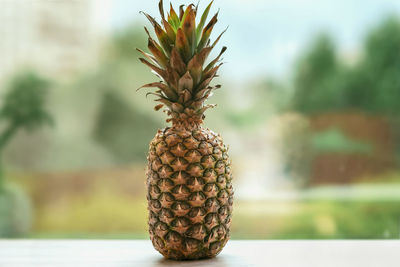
(266, 37)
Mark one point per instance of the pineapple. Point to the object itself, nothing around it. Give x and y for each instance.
(189, 177)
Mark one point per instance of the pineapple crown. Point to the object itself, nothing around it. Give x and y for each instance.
(179, 60)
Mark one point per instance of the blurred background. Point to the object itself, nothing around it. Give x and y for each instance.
(310, 109)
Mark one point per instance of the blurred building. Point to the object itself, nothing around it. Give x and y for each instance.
(56, 37)
(363, 150)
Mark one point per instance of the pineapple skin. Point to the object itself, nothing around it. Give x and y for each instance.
(190, 194)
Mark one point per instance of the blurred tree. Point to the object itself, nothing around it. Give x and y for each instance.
(22, 108)
(123, 130)
(381, 73)
(322, 83)
(381, 68)
(121, 126)
(314, 89)
(120, 68)
(125, 42)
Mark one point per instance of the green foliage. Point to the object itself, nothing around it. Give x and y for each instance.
(343, 220)
(382, 46)
(123, 130)
(372, 85)
(334, 140)
(121, 127)
(15, 212)
(382, 67)
(124, 42)
(22, 108)
(23, 105)
(313, 80)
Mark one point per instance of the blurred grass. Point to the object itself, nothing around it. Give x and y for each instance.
(252, 220)
(111, 204)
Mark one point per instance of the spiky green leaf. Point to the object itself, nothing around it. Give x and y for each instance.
(195, 65)
(182, 45)
(181, 12)
(189, 28)
(150, 18)
(158, 53)
(207, 32)
(176, 62)
(211, 73)
(169, 30)
(148, 56)
(162, 36)
(172, 77)
(212, 63)
(173, 19)
(183, 17)
(219, 37)
(161, 8)
(160, 72)
(169, 93)
(203, 19)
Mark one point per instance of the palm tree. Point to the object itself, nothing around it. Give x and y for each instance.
(22, 108)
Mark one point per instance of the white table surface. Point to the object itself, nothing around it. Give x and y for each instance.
(15, 253)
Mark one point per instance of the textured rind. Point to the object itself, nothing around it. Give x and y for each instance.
(190, 194)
